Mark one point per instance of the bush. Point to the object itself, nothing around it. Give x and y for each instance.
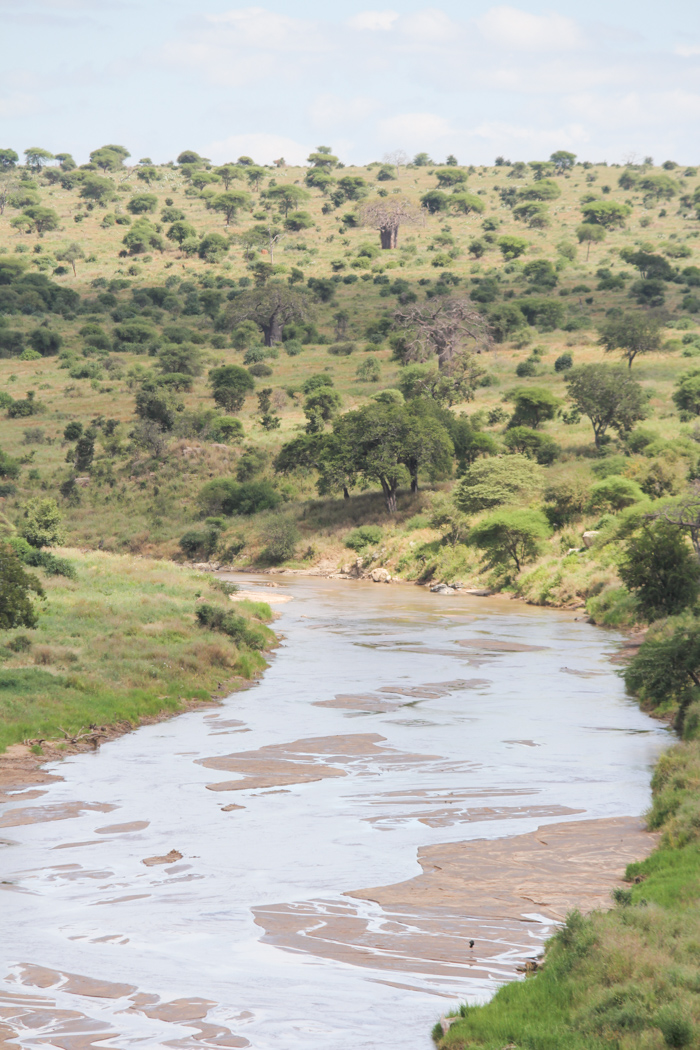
(226, 496)
(281, 539)
(16, 608)
(491, 482)
(368, 371)
(363, 536)
(293, 347)
(42, 523)
(675, 1027)
(564, 362)
(614, 493)
(661, 570)
(526, 368)
(342, 349)
(199, 543)
(232, 624)
(511, 536)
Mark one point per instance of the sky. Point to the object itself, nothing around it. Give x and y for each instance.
(613, 80)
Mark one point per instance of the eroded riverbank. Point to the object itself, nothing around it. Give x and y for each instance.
(391, 733)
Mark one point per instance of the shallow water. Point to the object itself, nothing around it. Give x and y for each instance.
(390, 719)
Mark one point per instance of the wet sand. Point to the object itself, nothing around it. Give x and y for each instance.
(473, 808)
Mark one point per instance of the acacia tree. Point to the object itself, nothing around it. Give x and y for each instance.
(228, 172)
(228, 203)
(16, 608)
(632, 334)
(588, 234)
(36, 158)
(270, 306)
(608, 396)
(399, 158)
(288, 197)
(387, 215)
(443, 327)
(71, 254)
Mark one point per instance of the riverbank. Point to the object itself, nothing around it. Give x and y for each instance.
(119, 643)
(626, 978)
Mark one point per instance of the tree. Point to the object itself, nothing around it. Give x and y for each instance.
(425, 380)
(608, 396)
(666, 669)
(434, 201)
(387, 215)
(422, 160)
(545, 190)
(650, 266)
(466, 203)
(661, 570)
(533, 405)
(141, 203)
(323, 158)
(528, 442)
(228, 203)
(563, 161)
(36, 158)
(183, 358)
(45, 342)
(684, 513)
(109, 158)
(605, 213)
(614, 493)
(38, 218)
(353, 187)
(659, 187)
(398, 158)
(142, 236)
(492, 482)
(270, 306)
(451, 177)
(288, 197)
(534, 213)
(686, 396)
(71, 254)
(442, 327)
(298, 220)
(96, 188)
(148, 174)
(41, 524)
(157, 404)
(386, 443)
(320, 179)
(180, 231)
(16, 586)
(230, 385)
(228, 173)
(320, 407)
(588, 235)
(632, 334)
(8, 159)
(84, 451)
(511, 536)
(512, 247)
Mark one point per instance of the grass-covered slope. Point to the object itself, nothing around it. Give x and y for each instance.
(626, 979)
(131, 304)
(121, 640)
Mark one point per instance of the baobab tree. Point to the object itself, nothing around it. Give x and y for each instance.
(444, 327)
(387, 214)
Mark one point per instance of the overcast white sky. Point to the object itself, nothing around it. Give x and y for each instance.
(605, 79)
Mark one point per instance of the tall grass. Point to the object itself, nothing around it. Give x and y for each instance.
(121, 641)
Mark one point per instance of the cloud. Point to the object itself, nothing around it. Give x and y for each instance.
(519, 30)
(264, 148)
(334, 111)
(429, 26)
(381, 21)
(17, 104)
(688, 50)
(415, 129)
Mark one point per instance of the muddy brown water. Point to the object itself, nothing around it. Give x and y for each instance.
(303, 867)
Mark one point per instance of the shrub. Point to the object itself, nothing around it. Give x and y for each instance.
(226, 496)
(16, 608)
(564, 362)
(661, 570)
(42, 523)
(511, 536)
(368, 371)
(614, 493)
(280, 539)
(342, 349)
(232, 624)
(491, 482)
(363, 536)
(199, 543)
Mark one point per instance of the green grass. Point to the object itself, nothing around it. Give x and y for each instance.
(627, 979)
(120, 642)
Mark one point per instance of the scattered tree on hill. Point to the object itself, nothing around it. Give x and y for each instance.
(443, 328)
(605, 213)
(608, 396)
(451, 177)
(563, 160)
(632, 334)
(8, 159)
(588, 234)
(545, 190)
(323, 158)
(270, 307)
(228, 203)
(512, 247)
(71, 254)
(533, 405)
(659, 187)
(109, 158)
(398, 158)
(387, 215)
(288, 197)
(37, 158)
(230, 385)
(434, 201)
(16, 588)
(141, 203)
(37, 218)
(466, 203)
(181, 231)
(98, 189)
(157, 404)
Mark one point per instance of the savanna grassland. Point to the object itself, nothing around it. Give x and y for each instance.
(140, 492)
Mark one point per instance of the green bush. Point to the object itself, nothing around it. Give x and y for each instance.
(227, 496)
(363, 536)
(281, 538)
(615, 493)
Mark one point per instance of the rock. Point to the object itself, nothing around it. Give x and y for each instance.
(169, 858)
(82, 482)
(447, 1022)
(380, 576)
(207, 566)
(479, 592)
(442, 588)
(589, 537)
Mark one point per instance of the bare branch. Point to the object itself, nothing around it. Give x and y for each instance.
(386, 214)
(443, 327)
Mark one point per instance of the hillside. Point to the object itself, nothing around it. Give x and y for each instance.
(141, 306)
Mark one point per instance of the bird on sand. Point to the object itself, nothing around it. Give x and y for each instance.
(471, 944)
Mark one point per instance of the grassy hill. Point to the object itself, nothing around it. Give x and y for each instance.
(140, 495)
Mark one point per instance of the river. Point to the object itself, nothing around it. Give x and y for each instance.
(392, 723)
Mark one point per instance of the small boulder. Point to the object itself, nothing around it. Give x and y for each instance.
(380, 576)
(442, 588)
(590, 537)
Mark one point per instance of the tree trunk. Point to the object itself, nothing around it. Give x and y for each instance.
(389, 495)
(394, 236)
(385, 237)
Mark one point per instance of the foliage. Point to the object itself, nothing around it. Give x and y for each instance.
(42, 523)
(229, 497)
(610, 398)
(533, 406)
(281, 538)
(364, 536)
(230, 385)
(511, 536)
(16, 587)
(661, 570)
(489, 483)
(632, 334)
(614, 493)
